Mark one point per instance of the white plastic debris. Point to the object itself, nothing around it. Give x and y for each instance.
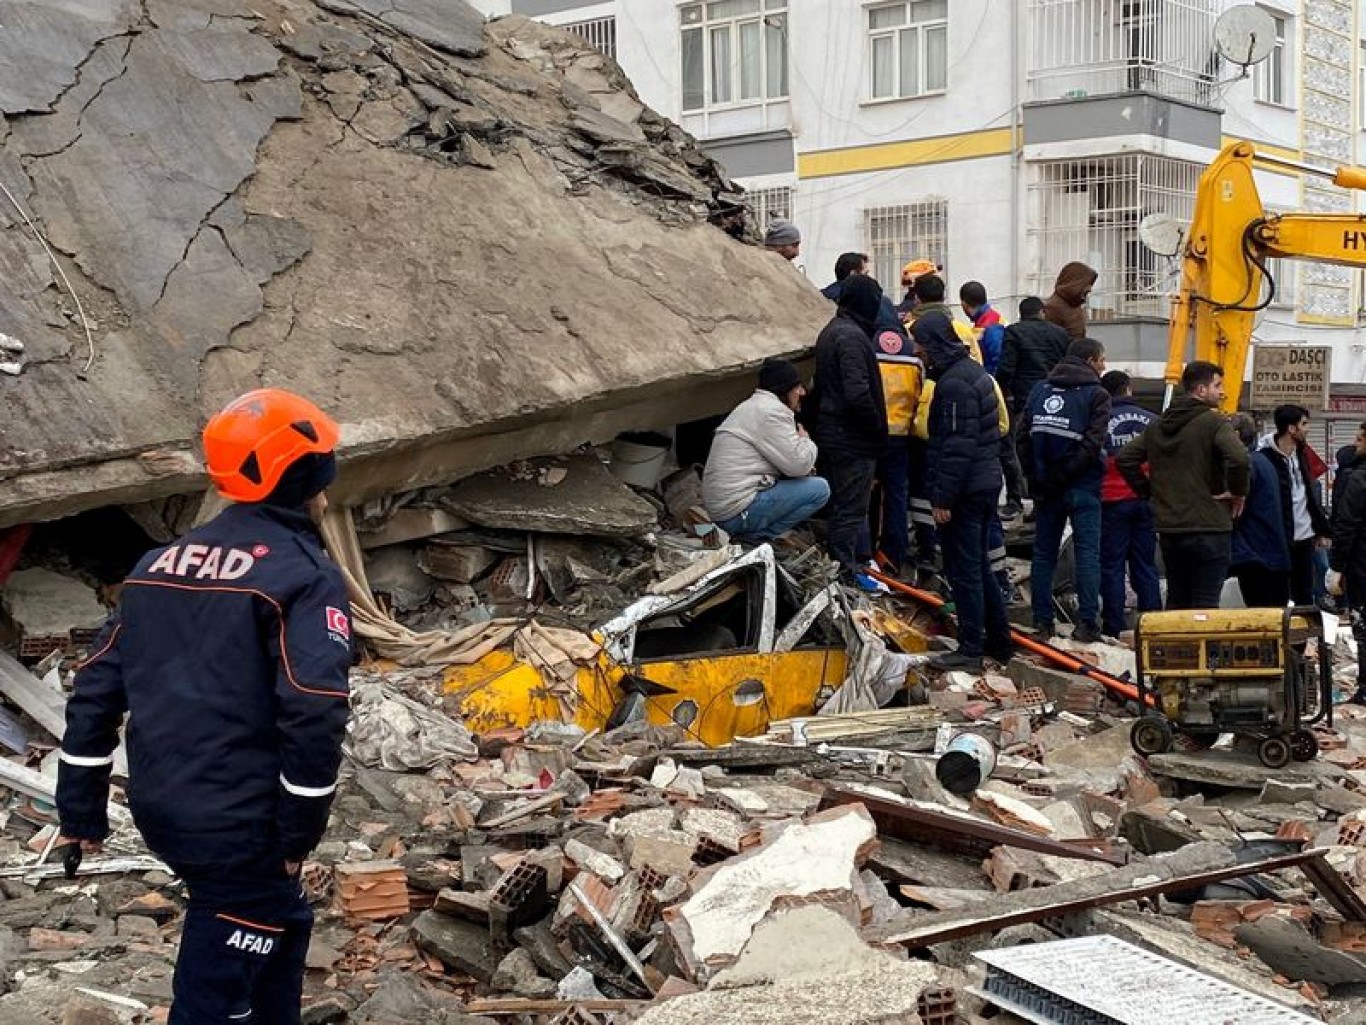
(390, 731)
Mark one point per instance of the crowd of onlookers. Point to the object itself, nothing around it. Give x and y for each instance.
(922, 415)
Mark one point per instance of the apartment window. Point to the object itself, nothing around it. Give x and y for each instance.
(1361, 88)
(600, 33)
(1271, 78)
(769, 205)
(910, 48)
(895, 235)
(734, 52)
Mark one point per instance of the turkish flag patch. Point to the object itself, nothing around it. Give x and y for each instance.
(890, 342)
(338, 623)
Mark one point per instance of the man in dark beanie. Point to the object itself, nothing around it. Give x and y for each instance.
(229, 655)
(850, 418)
(757, 484)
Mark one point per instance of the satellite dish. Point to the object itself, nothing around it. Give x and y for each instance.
(1245, 35)
(1162, 233)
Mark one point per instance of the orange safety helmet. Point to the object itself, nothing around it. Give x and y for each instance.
(256, 437)
(918, 268)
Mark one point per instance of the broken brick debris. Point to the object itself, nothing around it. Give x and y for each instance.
(372, 889)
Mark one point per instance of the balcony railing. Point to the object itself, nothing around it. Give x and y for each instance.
(1081, 48)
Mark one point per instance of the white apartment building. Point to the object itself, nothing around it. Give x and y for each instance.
(1003, 138)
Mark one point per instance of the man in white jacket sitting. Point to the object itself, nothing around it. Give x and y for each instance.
(757, 483)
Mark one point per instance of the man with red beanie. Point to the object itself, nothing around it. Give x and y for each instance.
(229, 655)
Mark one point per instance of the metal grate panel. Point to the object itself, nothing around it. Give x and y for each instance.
(770, 204)
(895, 235)
(1090, 210)
(1057, 984)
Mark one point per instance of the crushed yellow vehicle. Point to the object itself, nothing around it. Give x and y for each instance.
(723, 658)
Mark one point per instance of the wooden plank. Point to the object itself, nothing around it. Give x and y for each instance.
(39, 701)
(957, 832)
(540, 804)
(43, 704)
(1129, 883)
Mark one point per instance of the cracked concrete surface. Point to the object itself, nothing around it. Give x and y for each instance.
(470, 243)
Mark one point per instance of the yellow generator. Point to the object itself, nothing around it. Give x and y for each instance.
(1261, 673)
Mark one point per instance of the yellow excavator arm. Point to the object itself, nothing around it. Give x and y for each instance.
(1223, 269)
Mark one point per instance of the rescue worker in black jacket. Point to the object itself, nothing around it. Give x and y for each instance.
(964, 480)
(1347, 558)
(848, 417)
(1062, 450)
(229, 656)
(1030, 349)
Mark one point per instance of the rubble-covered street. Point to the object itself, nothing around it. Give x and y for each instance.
(603, 769)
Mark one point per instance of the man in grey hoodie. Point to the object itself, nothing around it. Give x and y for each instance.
(757, 484)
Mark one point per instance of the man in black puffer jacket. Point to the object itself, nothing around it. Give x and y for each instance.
(964, 480)
(1347, 558)
(849, 417)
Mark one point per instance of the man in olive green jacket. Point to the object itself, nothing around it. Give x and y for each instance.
(1197, 475)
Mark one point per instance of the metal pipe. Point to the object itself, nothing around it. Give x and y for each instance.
(1343, 177)
(1057, 656)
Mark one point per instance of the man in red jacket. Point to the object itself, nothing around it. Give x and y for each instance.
(1127, 535)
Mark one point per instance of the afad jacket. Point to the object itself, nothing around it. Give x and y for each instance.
(229, 655)
(990, 329)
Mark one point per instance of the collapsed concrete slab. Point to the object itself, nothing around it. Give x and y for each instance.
(470, 243)
(815, 861)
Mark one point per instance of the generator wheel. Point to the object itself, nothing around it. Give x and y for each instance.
(1274, 752)
(1151, 735)
(1304, 746)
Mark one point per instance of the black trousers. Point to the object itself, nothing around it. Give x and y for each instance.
(242, 949)
(1197, 566)
(1263, 588)
(851, 488)
(1010, 463)
(1302, 571)
(1356, 601)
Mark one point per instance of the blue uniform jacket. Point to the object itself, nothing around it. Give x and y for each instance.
(1062, 434)
(229, 653)
(1259, 533)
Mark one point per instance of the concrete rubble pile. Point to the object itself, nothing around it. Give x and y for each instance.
(454, 235)
(835, 864)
